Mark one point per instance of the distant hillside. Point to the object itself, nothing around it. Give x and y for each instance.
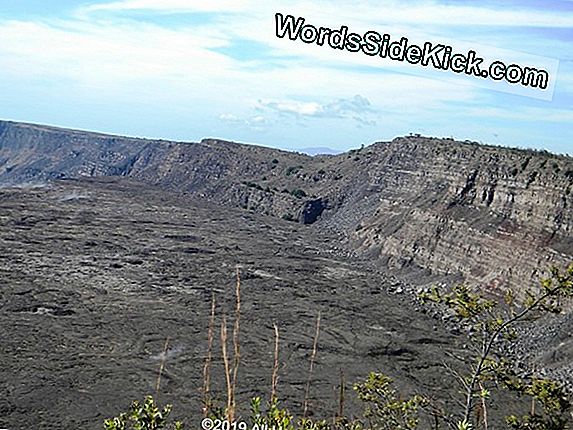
(418, 205)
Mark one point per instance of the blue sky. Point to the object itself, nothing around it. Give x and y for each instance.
(188, 69)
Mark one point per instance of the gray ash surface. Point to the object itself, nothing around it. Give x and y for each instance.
(95, 275)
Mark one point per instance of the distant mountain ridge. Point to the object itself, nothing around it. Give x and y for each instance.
(319, 150)
(418, 205)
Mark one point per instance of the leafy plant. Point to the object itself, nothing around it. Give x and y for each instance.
(279, 418)
(143, 416)
(489, 326)
(275, 416)
(384, 409)
(554, 401)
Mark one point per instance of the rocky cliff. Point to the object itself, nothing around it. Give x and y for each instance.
(494, 215)
(421, 206)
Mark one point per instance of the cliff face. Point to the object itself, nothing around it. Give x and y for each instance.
(224, 172)
(31, 153)
(492, 215)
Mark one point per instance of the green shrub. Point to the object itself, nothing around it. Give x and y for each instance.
(490, 324)
(298, 193)
(291, 170)
(288, 217)
(279, 418)
(385, 410)
(143, 416)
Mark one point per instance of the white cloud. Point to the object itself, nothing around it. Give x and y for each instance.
(526, 114)
(296, 108)
(170, 6)
(105, 50)
(228, 117)
(434, 13)
(428, 12)
(135, 59)
(357, 108)
(176, 65)
(254, 122)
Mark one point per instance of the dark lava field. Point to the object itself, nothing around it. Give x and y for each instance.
(121, 244)
(96, 274)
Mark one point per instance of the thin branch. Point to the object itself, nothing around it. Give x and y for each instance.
(161, 367)
(484, 408)
(489, 345)
(236, 344)
(208, 359)
(312, 358)
(275, 375)
(458, 376)
(227, 367)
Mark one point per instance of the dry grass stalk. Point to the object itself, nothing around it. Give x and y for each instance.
(161, 367)
(208, 359)
(274, 379)
(312, 359)
(227, 366)
(532, 413)
(236, 343)
(231, 371)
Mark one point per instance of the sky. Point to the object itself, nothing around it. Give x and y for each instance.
(189, 69)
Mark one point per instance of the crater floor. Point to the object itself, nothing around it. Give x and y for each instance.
(95, 275)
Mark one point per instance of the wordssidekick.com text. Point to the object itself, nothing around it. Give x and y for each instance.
(439, 56)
